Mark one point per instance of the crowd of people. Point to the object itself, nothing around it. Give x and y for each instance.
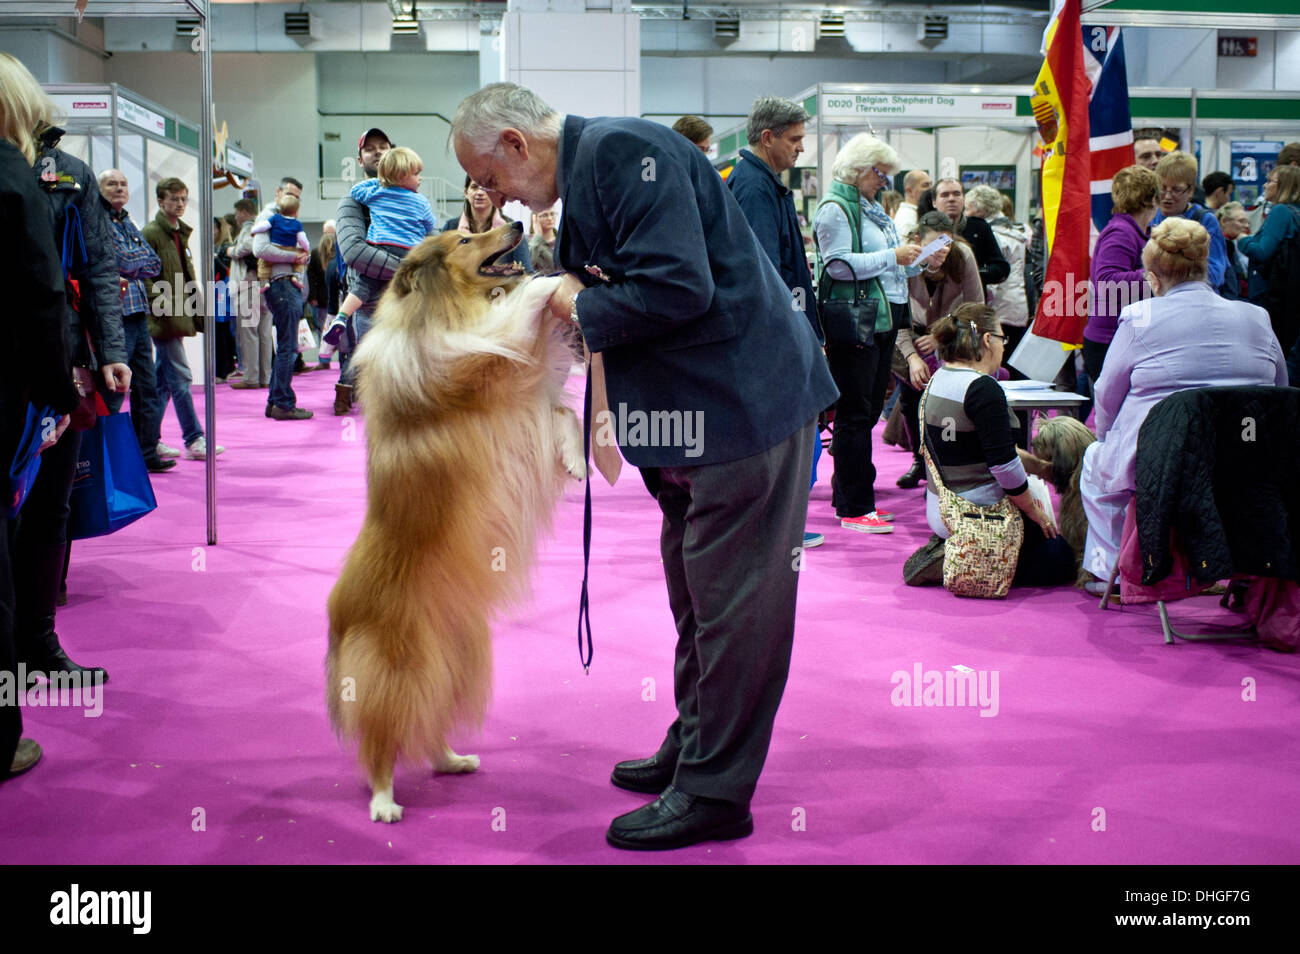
(939, 282)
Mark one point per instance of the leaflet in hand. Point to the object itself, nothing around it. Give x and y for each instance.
(941, 241)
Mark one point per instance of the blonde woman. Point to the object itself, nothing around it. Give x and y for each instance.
(39, 545)
(37, 368)
(1178, 175)
(1186, 337)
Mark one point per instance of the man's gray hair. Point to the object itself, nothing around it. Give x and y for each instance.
(774, 113)
(482, 115)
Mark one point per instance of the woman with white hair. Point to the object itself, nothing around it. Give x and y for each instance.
(850, 225)
(1186, 337)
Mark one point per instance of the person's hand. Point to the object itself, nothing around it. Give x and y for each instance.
(55, 434)
(1041, 518)
(906, 254)
(117, 377)
(936, 259)
(562, 298)
(917, 371)
(303, 257)
(925, 344)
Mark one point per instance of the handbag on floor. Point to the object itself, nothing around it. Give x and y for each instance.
(983, 545)
(111, 488)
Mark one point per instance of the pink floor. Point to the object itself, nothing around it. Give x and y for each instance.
(214, 719)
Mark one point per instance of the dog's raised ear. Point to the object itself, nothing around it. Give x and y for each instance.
(417, 269)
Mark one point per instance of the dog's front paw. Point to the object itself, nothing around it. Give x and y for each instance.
(384, 809)
(452, 764)
(575, 466)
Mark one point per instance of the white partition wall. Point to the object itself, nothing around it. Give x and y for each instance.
(582, 62)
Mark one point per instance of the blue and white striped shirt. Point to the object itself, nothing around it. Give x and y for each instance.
(397, 216)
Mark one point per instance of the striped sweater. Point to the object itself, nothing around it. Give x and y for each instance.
(968, 430)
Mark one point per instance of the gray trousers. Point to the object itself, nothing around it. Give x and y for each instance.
(731, 544)
(255, 353)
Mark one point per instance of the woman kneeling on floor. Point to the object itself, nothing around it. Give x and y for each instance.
(968, 432)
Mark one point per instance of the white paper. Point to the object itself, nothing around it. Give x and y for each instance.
(1025, 385)
(1038, 490)
(941, 241)
(1038, 358)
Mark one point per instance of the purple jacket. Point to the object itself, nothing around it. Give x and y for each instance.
(1117, 275)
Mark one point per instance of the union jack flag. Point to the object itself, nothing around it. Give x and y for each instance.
(1110, 128)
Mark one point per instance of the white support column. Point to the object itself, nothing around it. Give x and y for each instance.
(581, 56)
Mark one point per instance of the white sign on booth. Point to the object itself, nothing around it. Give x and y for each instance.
(917, 106)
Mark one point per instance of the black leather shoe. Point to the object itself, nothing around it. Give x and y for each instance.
(159, 465)
(914, 475)
(648, 776)
(676, 819)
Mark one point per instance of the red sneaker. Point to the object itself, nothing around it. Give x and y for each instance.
(867, 523)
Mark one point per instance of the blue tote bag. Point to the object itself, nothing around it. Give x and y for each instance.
(27, 459)
(112, 486)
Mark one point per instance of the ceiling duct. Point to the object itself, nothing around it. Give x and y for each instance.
(931, 31)
(830, 28)
(301, 25)
(726, 30)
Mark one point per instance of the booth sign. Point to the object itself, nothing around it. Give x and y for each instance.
(917, 106)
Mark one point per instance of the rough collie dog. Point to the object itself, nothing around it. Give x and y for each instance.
(1061, 441)
(468, 447)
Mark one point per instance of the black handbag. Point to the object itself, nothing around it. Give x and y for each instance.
(852, 321)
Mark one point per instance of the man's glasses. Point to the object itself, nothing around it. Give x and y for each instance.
(1175, 190)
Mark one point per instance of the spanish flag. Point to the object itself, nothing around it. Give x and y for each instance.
(1060, 104)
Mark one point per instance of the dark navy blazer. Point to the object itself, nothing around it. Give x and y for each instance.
(687, 309)
(768, 204)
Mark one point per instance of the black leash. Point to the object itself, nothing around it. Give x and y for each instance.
(584, 604)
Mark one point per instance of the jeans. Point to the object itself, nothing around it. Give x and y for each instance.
(174, 382)
(285, 302)
(360, 325)
(144, 385)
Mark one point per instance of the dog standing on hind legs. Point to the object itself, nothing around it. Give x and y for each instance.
(468, 447)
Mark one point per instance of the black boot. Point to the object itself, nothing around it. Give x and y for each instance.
(36, 641)
(915, 474)
(41, 652)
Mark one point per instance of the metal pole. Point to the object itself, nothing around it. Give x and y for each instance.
(1192, 145)
(113, 126)
(206, 270)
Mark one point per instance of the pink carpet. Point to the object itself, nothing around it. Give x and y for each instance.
(213, 747)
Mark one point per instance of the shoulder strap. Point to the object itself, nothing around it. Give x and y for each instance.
(925, 442)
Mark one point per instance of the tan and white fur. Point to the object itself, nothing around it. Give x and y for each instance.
(1061, 441)
(469, 443)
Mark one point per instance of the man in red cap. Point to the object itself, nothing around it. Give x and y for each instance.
(373, 261)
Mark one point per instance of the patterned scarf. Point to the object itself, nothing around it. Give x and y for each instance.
(876, 213)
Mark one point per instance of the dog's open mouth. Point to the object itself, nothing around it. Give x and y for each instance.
(492, 265)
